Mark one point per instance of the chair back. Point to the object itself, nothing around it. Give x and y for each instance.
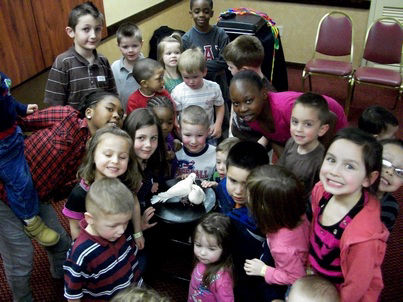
(383, 43)
(335, 35)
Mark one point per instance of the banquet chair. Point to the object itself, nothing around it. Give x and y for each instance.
(334, 38)
(383, 45)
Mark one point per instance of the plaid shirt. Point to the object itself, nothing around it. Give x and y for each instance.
(55, 152)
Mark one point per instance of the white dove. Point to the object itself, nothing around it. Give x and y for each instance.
(196, 195)
(181, 189)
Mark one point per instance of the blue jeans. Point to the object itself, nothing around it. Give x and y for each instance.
(16, 176)
(17, 251)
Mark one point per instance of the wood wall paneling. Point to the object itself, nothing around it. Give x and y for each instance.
(20, 51)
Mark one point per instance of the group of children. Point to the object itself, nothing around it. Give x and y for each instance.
(322, 209)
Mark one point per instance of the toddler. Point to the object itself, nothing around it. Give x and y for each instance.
(221, 159)
(168, 53)
(348, 239)
(212, 276)
(275, 201)
(313, 289)
(138, 294)
(130, 42)
(391, 180)
(379, 122)
(198, 91)
(196, 156)
(80, 69)
(103, 258)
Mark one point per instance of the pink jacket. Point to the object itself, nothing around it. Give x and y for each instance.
(362, 247)
(289, 249)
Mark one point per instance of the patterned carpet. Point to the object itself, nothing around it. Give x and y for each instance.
(45, 289)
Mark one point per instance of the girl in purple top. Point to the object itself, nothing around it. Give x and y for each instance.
(212, 276)
(275, 201)
(269, 112)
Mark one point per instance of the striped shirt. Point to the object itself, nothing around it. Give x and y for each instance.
(97, 269)
(324, 251)
(72, 76)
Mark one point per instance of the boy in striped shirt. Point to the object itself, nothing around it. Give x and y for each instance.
(102, 260)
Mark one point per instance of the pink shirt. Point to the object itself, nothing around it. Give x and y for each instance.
(220, 290)
(281, 104)
(289, 249)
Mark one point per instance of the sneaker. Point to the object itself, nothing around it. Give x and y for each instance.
(41, 233)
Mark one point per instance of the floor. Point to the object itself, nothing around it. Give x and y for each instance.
(180, 261)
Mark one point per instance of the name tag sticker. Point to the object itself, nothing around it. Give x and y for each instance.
(101, 78)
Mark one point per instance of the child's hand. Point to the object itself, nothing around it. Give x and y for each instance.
(31, 108)
(170, 155)
(147, 215)
(139, 242)
(177, 145)
(216, 132)
(154, 187)
(255, 267)
(209, 184)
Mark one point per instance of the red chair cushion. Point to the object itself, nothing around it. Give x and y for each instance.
(380, 76)
(329, 67)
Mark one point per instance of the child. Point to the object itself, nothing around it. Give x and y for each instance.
(303, 153)
(168, 54)
(212, 276)
(109, 155)
(14, 169)
(391, 180)
(103, 258)
(313, 289)
(197, 91)
(150, 75)
(270, 113)
(165, 113)
(138, 294)
(275, 201)
(210, 38)
(220, 163)
(348, 239)
(196, 156)
(130, 42)
(80, 69)
(379, 122)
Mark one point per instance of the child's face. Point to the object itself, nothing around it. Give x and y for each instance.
(166, 118)
(145, 142)
(391, 180)
(221, 159)
(388, 133)
(193, 79)
(108, 226)
(194, 137)
(343, 170)
(108, 111)
(236, 184)
(171, 54)
(201, 13)
(305, 126)
(156, 82)
(247, 100)
(232, 68)
(206, 248)
(111, 156)
(130, 48)
(87, 33)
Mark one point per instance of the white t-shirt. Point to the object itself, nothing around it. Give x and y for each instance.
(202, 163)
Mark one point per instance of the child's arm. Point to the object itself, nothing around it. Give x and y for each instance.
(145, 219)
(44, 118)
(74, 228)
(219, 117)
(57, 91)
(138, 234)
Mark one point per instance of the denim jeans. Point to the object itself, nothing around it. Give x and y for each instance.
(17, 251)
(16, 176)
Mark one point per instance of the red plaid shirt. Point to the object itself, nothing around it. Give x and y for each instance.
(55, 151)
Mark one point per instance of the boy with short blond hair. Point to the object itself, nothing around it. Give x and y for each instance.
(103, 259)
(313, 288)
(80, 69)
(196, 156)
(130, 42)
(195, 90)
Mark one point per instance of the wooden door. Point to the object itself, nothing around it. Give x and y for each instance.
(20, 50)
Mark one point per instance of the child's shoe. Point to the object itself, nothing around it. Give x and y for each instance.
(37, 230)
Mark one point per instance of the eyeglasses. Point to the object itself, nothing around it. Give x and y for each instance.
(388, 164)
